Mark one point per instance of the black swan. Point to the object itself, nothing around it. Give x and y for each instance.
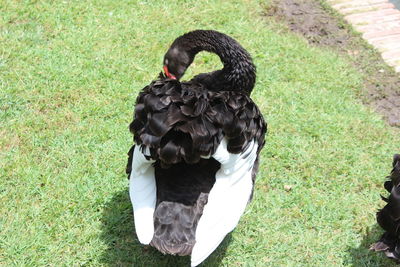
(389, 217)
(193, 168)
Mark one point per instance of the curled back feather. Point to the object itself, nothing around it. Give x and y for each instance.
(168, 110)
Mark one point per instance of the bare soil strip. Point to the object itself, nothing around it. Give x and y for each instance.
(321, 26)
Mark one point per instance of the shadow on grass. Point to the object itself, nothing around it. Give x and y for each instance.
(123, 247)
(363, 257)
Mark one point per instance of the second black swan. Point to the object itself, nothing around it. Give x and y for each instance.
(193, 168)
(389, 217)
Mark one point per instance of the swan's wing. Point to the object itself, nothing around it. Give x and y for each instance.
(227, 200)
(143, 194)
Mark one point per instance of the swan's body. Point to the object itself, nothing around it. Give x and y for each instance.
(200, 140)
(389, 217)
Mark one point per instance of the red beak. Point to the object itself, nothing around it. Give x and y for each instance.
(168, 74)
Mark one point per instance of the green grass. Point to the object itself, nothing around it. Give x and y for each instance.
(69, 75)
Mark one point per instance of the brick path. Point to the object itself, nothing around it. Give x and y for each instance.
(378, 21)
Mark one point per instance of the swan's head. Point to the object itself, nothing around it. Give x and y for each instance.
(176, 61)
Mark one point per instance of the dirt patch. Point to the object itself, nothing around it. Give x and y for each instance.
(310, 20)
(321, 26)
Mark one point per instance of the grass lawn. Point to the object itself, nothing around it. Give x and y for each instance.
(69, 75)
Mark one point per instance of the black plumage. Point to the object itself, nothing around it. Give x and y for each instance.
(184, 122)
(389, 217)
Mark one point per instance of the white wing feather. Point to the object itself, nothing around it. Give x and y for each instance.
(227, 200)
(143, 194)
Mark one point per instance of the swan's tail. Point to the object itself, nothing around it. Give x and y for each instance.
(182, 193)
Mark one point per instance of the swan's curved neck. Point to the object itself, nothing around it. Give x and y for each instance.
(238, 73)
